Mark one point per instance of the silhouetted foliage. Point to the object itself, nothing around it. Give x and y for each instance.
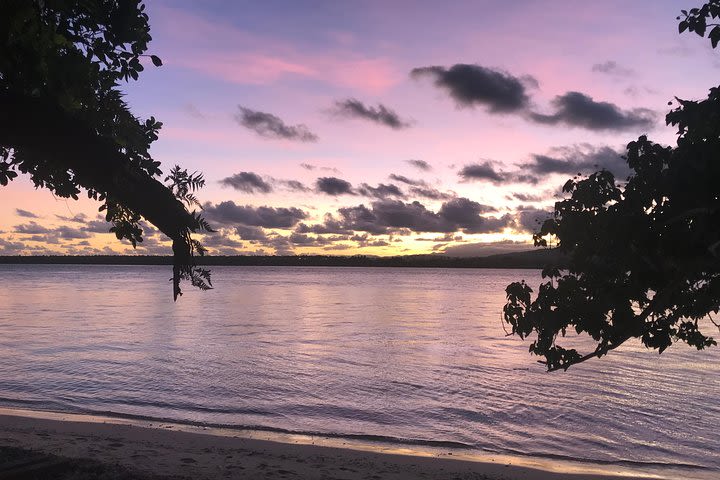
(696, 20)
(64, 123)
(643, 256)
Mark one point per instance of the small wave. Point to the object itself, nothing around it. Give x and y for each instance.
(188, 407)
(30, 404)
(263, 428)
(413, 385)
(56, 407)
(619, 463)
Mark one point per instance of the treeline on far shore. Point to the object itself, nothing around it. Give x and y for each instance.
(529, 259)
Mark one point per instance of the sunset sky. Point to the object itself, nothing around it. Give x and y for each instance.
(386, 128)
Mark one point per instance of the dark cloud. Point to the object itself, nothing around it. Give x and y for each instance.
(576, 109)
(152, 246)
(49, 238)
(430, 193)
(10, 247)
(419, 188)
(413, 216)
(394, 216)
(269, 126)
(306, 240)
(251, 234)
(457, 209)
(317, 241)
(483, 171)
(97, 226)
(267, 217)
(635, 91)
(39, 233)
(529, 219)
(405, 180)
(381, 191)
(70, 233)
(293, 185)
(519, 177)
(448, 237)
(282, 245)
(250, 182)
(286, 244)
(32, 228)
(334, 186)
(247, 182)
(362, 219)
(329, 226)
(420, 164)
(484, 249)
(571, 160)
(366, 240)
(526, 197)
(381, 114)
(472, 85)
(148, 228)
(25, 213)
(222, 242)
(501, 92)
(311, 167)
(337, 246)
(467, 214)
(578, 159)
(79, 218)
(611, 67)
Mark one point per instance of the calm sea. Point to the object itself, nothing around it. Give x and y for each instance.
(415, 356)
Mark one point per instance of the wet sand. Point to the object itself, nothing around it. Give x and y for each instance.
(198, 453)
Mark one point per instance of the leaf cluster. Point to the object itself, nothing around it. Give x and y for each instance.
(183, 184)
(73, 56)
(644, 255)
(696, 20)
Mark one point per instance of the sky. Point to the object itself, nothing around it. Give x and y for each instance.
(385, 128)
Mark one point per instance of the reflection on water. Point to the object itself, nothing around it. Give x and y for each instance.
(410, 354)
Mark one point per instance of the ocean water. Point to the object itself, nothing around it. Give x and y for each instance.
(405, 356)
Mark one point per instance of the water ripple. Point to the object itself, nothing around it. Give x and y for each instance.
(412, 356)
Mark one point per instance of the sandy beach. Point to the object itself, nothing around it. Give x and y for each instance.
(194, 452)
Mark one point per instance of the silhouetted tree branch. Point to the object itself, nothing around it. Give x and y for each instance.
(643, 256)
(63, 121)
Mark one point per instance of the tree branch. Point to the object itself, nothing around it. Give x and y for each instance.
(41, 127)
(647, 311)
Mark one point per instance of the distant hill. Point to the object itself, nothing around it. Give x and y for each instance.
(536, 259)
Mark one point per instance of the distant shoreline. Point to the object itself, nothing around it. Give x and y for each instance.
(532, 259)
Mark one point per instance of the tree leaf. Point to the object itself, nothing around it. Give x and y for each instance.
(714, 36)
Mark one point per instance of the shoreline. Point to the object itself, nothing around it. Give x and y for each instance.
(165, 448)
(527, 259)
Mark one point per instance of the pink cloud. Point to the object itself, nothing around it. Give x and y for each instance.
(225, 52)
(367, 75)
(243, 68)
